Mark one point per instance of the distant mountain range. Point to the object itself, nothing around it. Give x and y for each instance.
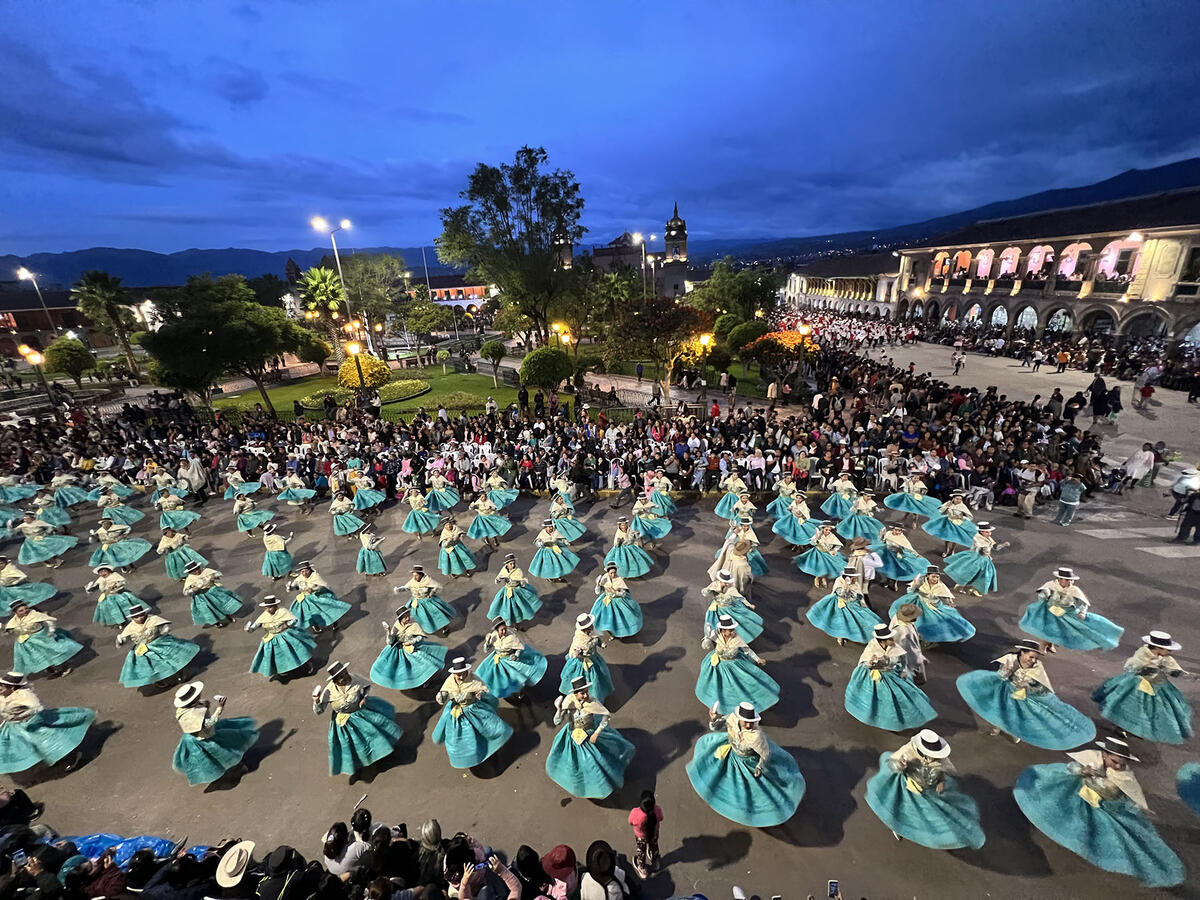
(143, 268)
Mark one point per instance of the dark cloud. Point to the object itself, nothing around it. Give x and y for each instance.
(238, 84)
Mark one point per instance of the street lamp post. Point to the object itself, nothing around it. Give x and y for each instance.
(705, 341)
(640, 239)
(35, 361)
(25, 275)
(354, 348)
(320, 224)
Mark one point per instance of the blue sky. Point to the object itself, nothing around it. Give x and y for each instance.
(168, 125)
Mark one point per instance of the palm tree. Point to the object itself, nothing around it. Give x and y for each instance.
(324, 299)
(101, 298)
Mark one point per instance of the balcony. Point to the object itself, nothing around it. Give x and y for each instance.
(1033, 284)
(1110, 286)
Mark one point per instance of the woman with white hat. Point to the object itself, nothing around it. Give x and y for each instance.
(733, 486)
(296, 493)
(369, 560)
(428, 610)
(362, 728)
(1095, 807)
(15, 585)
(647, 521)
(41, 646)
(744, 775)
(210, 745)
(615, 610)
(171, 512)
(31, 735)
(156, 654)
(248, 516)
(1061, 614)
(442, 495)
(584, 659)
(843, 613)
(939, 622)
(796, 525)
(345, 523)
(554, 560)
(516, 601)
(1017, 699)
(117, 548)
(823, 560)
(510, 665)
(787, 491)
(842, 494)
(41, 544)
(565, 523)
(113, 602)
(952, 524)
(469, 726)
(488, 525)
(236, 485)
(912, 499)
(588, 757)
(113, 510)
(366, 497)
(915, 796)
(731, 672)
(420, 520)
(861, 521)
(454, 559)
(499, 492)
(881, 692)
(316, 606)
(48, 511)
(173, 547)
(973, 570)
(284, 647)
(725, 599)
(408, 658)
(277, 562)
(1142, 700)
(660, 492)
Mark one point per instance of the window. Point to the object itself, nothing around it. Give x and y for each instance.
(1191, 268)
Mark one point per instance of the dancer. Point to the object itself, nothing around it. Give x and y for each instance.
(212, 603)
(370, 560)
(1018, 700)
(787, 492)
(316, 606)
(511, 665)
(1061, 615)
(172, 515)
(554, 560)
(210, 745)
(795, 525)
(939, 622)
(565, 523)
(429, 611)
(973, 570)
(660, 493)
(366, 498)
(728, 674)
(726, 600)
(113, 510)
(1095, 807)
(421, 520)
(584, 659)
(516, 601)
(744, 775)
(48, 511)
(67, 492)
(914, 795)
(41, 646)
(952, 525)
(823, 559)
(742, 532)
(843, 613)
(488, 525)
(498, 491)
(296, 493)
(469, 726)
(173, 547)
(913, 500)
(236, 485)
(362, 728)
(41, 544)
(345, 523)
(156, 656)
(842, 494)
(900, 562)
(861, 521)
(732, 485)
(615, 611)
(646, 520)
(454, 559)
(285, 647)
(442, 495)
(880, 691)
(15, 585)
(588, 757)
(277, 562)
(408, 658)
(1141, 700)
(249, 516)
(117, 548)
(113, 602)
(31, 735)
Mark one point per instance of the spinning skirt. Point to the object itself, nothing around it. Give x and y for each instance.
(346, 524)
(889, 702)
(917, 505)
(847, 620)
(39, 651)
(837, 507)
(44, 738)
(663, 504)
(725, 505)
(594, 669)
(620, 616)
(1042, 720)
(29, 592)
(505, 675)
(121, 554)
(214, 605)
(794, 531)
(585, 769)
(277, 563)
(726, 782)
(163, 657)
(1153, 712)
(945, 821)
(820, 564)
(179, 519)
(257, 518)
(859, 525)
(513, 605)
(431, 613)
(632, 561)
(402, 668)
(420, 521)
(727, 682)
(362, 737)
(1093, 632)
(749, 623)
(943, 529)
(491, 527)
(279, 654)
(570, 527)
(503, 497)
(971, 569)
(319, 609)
(650, 529)
(471, 733)
(69, 495)
(204, 761)
(367, 498)
(36, 550)
(370, 562)
(440, 500)
(180, 557)
(553, 562)
(458, 560)
(113, 609)
(940, 624)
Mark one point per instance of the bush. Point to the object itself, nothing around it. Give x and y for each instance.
(70, 357)
(719, 357)
(375, 372)
(546, 367)
(746, 333)
(317, 398)
(402, 389)
(726, 323)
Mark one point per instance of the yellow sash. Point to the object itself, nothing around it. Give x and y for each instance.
(1145, 686)
(1057, 611)
(715, 659)
(722, 751)
(841, 604)
(341, 719)
(40, 537)
(876, 675)
(508, 592)
(141, 649)
(712, 607)
(413, 602)
(103, 546)
(587, 664)
(267, 637)
(912, 785)
(23, 638)
(409, 648)
(607, 599)
(300, 598)
(578, 735)
(497, 658)
(456, 709)
(1018, 694)
(556, 549)
(101, 598)
(1090, 796)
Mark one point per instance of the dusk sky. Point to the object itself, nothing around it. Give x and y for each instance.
(166, 125)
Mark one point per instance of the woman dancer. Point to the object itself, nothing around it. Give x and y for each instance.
(726, 600)
(345, 523)
(248, 516)
(554, 560)
(469, 726)
(15, 586)
(454, 559)
(615, 611)
(843, 613)
(408, 658)
(973, 570)
(210, 745)
(1061, 615)
(488, 525)
(588, 757)
(939, 622)
(511, 665)
(1141, 700)
(362, 728)
(516, 601)
(880, 691)
(729, 672)
(212, 603)
(429, 611)
(113, 602)
(584, 659)
(156, 655)
(173, 547)
(370, 560)
(41, 646)
(952, 525)
(285, 647)
(822, 560)
(31, 735)
(316, 606)
(277, 562)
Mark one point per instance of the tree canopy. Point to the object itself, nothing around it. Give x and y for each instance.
(101, 298)
(664, 332)
(323, 298)
(546, 367)
(374, 373)
(742, 292)
(70, 357)
(493, 352)
(374, 283)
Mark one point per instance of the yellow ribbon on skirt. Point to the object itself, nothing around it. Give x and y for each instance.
(556, 549)
(508, 592)
(876, 675)
(1057, 611)
(1145, 686)
(1090, 796)
(341, 718)
(607, 598)
(841, 604)
(141, 649)
(102, 598)
(300, 598)
(578, 735)
(23, 638)
(409, 648)
(715, 659)
(911, 784)
(712, 607)
(456, 709)
(1019, 694)
(722, 751)
(267, 637)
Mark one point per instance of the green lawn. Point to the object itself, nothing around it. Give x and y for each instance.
(282, 396)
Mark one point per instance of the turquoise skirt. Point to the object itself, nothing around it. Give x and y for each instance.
(851, 622)
(179, 519)
(794, 531)
(758, 565)
(52, 515)
(283, 653)
(891, 703)
(297, 496)
(945, 821)
(41, 650)
(458, 560)
(836, 506)
(909, 503)
(124, 515)
(971, 569)
(503, 497)
(37, 550)
(474, 735)
(30, 592)
(420, 521)
(401, 670)
(505, 676)
(16, 493)
(586, 769)
(180, 557)
(553, 562)
(446, 498)
(367, 498)
(650, 529)
(204, 761)
(121, 490)
(780, 507)
(165, 656)
(69, 495)
(367, 735)
(44, 738)
(370, 562)
(734, 681)
(246, 487)
(121, 554)
(632, 561)
(1093, 632)
(214, 605)
(114, 608)
(1042, 720)
(1163, 716)
(621, 616)
(728, 784)
(1187, 783)
(595, 670)
(859, 525)
(570, 527)
(277, 563)
(488, 527)
(431, 613)
(749, 623)
(663, 505)
(519, 604)
(939, 624)
(899, 568)
(725, 505)
(1115, 836)
(257, 518)
(943, 529)
(346, 524)
(320, 609)
(820, 564)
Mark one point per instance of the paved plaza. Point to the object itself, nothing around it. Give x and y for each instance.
(1118, 546)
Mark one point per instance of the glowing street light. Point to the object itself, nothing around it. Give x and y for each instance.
(320, 223)
(705, 341)
(25, 275)
(35, 361)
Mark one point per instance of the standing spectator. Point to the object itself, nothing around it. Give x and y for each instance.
(1138, 466)
(645, 819)
(1191, 520)
(561, 866)
(1184, 486)
(772, 393)
(523, 401)
(638, 370)
(1069, 493)
(1062, 359)
(603, 879)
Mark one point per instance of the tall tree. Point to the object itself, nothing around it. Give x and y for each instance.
(323, 299)
(742, 292)
(662, 331)
(512, 229)
(101, 298)
(71, 357)
(268, 289)
(375, 285)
